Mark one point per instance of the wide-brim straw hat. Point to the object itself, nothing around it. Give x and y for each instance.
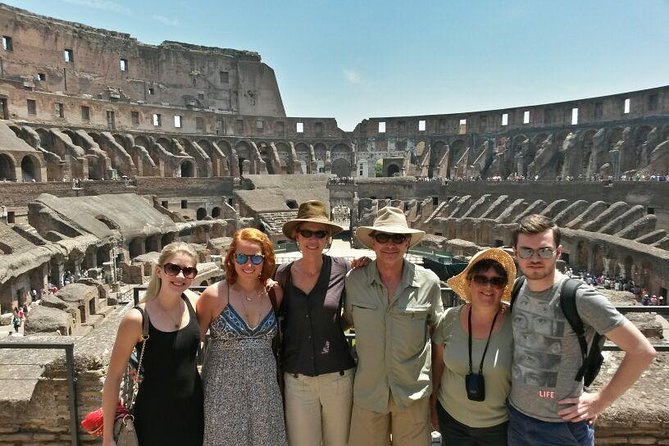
(312, 211)
(460, 284)
(390, 220)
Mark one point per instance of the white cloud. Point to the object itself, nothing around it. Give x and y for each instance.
(103, 5)
(353, 76)
(165, 21)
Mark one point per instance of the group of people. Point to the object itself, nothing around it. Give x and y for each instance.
(482, 373)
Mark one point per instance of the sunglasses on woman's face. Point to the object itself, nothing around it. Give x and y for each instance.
(495, 282)
(172, 269)
(308, 233)
(255, 259)
(382, 237)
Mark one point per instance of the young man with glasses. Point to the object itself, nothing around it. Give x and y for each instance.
(393, 305)
(547, 406)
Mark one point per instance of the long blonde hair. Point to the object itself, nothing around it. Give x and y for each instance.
(174, 248)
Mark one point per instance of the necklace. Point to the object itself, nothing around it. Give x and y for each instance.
(252, 297)
(177, 323)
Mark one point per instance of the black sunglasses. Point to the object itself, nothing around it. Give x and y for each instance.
(495, 282)
(382, 237)
(256, 259)
(172, 269)
(308, 233)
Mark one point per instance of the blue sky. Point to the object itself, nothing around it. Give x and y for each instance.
(355, 59)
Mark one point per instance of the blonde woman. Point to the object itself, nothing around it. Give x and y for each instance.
(168, 408)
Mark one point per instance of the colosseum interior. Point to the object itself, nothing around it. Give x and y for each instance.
(111, 148)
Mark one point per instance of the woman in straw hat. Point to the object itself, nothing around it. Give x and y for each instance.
(472, 368)
(317, 362)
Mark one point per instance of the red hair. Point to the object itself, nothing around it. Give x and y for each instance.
(255, 236)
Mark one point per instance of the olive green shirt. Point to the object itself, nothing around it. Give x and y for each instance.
(392, 337)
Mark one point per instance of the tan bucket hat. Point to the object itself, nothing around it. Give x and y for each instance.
(312, 211)
(460, 284)
(390, 220)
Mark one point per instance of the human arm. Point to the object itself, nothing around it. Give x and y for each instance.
(128, 334)
(638, 356)
(207, 307)
(437, 371)
(359, 262)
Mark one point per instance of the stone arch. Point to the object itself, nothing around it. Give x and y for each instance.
(520, 146)
(615, 134)
(216, 212)
(245, 155)
(303, 156)
(320, 154)
(641, 150)
(7, 167)
(437, 152)
(266, 155)
(285, 157)
(559, 155)
(393, 169)
(597, 260)
(456, 150)
(226, 148)
(168, 145)
(587, 146)
(582, 256)
(187, 169)
(341, 167)
(30, 168)
(201, 213)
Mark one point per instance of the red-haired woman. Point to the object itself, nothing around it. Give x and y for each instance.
(242, 402)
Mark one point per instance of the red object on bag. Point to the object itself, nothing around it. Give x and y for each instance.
(93, 421)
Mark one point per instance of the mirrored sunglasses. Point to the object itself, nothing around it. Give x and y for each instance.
(382, 237)
(495, 282)
(172, 269)
(544, 253)
(308, 233)
(256, 259)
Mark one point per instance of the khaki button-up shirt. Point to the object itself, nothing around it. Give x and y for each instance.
(392, 336)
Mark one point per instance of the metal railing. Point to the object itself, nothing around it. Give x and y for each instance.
(71, 377)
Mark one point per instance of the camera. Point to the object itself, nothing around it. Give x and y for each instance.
(475, 386)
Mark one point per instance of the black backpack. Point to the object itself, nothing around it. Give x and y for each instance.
(591, 360)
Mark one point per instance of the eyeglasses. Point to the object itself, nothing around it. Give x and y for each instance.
(256, 259)
(308, 233)
(382, 237)
(528, 253)
(495, 282)
(172, 269)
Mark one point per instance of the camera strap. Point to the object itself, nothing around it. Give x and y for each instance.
(485, 350)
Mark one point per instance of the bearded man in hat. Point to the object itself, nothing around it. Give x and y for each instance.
(393, 305)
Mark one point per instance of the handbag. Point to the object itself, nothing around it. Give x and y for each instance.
(124, 421)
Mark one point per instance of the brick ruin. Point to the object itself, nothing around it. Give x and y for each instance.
(111, 148)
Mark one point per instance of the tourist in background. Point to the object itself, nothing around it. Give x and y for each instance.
(317, 362)
(473, 353)
(168, 407)
(242, 403)
(393, 304)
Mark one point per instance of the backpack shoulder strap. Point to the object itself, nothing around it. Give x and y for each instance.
(517, 285)
(568, 306)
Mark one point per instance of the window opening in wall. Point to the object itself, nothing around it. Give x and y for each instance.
(177, 121)
(224, 77)
(32, 107)
(299, 127)
(200, 96)
(41, 77)
(134, 116)
(526, 117)
(68, 55)
(199, 123)
(421, 125)
(435, 201)
(260, 125)
(165, 204)
(574, 116)
(7, 43)
(151, 91)
(651, 211)
(124, 64)
(184, 204)
(156, 120)
(60, 110)
(85, 113)
(111, 120)
(505, 119)
(599, 110)
(462, 128)
(653, 101)
(626, 106)
(240, 126)
(194, 82)
(382, 127)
